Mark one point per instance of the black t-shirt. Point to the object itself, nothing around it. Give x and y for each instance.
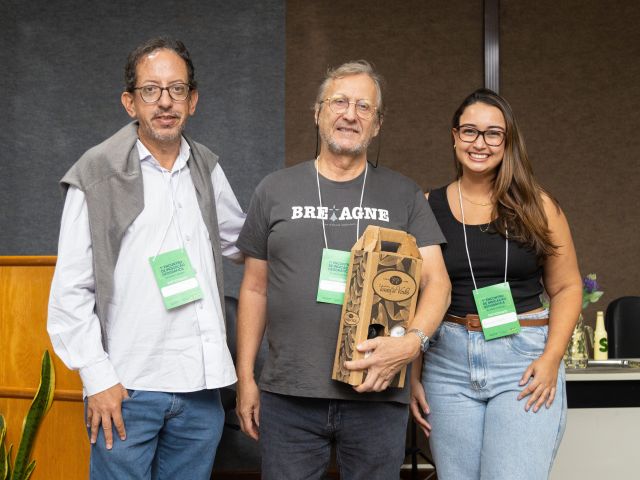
(487, 252)
(284, 227)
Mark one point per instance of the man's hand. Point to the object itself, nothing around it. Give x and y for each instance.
(388, 356)
(105, 408)
(248, 407)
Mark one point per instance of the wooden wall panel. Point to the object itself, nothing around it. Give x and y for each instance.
(62, 447)
(429, 52)
(570, 70)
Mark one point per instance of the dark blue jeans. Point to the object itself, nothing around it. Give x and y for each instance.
(296, 435)
(169, 436)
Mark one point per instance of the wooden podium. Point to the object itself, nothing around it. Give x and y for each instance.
(62, 447)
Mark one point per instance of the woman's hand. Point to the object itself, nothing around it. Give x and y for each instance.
(419, 406)
(542, 377)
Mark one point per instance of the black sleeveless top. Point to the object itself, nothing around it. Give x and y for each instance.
(487, 252)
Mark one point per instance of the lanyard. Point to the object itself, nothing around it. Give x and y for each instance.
(364, 181)
(172, 192)
(466, 245)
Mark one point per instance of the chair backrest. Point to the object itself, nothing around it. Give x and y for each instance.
(231, 314)
(622, 322)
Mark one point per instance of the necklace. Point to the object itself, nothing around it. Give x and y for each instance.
(466, 245)
(486, 227)
(482, 204)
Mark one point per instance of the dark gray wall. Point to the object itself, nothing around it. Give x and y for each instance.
(62, 64)
(61, 80)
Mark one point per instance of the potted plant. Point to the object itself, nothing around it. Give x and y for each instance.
(577, 355)
(22, 467)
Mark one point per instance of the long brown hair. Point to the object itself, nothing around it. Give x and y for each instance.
(517, 194)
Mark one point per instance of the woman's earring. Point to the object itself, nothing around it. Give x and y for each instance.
(454, 146)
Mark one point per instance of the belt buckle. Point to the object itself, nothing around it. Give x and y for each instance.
(473, 324)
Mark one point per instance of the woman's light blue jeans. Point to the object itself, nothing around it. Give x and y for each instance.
(169, 436)
(480, 429)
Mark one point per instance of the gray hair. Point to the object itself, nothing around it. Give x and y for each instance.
(354, 67)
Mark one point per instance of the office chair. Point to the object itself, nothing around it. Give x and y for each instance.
(622, 322)
(228, 394)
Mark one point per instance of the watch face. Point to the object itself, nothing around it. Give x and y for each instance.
(424, 340)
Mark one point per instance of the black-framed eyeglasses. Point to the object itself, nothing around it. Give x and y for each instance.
(492, 137)
(340, 104)
(152, 93)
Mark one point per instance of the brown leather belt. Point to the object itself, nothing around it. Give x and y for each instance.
(472, 322)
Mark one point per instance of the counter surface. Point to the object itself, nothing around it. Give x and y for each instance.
(602, 374)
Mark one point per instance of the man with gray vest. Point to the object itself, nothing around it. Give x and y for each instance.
(136, 302)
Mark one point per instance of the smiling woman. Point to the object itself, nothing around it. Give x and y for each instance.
(507, 238)
(477, 124)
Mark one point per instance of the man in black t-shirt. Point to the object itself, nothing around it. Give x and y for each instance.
(296, 214)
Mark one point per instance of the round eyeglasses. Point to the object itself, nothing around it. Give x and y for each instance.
(152, 93)
(491, 137)
(340, 105)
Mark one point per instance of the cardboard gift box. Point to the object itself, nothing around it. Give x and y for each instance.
(382, 289)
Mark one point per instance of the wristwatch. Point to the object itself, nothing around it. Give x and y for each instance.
(424, 340)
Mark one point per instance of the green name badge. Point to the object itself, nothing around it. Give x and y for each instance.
(175, 278)
(496, 310)
(333, 276)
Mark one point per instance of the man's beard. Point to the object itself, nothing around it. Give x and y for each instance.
(169, 137)
(338, 149)
(160, 136)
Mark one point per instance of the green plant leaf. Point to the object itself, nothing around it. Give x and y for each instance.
(9, 453)
(3, 433)
(4, 459)
(37, 411)
(595, 296)
(4, 464)
(29, 470)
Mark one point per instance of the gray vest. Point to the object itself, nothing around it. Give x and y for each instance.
(110, 176)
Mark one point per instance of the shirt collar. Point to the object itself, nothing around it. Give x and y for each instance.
(181, 160)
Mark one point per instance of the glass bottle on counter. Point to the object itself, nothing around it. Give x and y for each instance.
(577, 355)
(600, 340)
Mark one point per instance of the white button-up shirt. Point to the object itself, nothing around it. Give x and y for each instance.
(149, 347)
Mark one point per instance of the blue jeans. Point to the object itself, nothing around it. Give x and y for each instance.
(296, 435)
(169, 436)
(480, 429)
